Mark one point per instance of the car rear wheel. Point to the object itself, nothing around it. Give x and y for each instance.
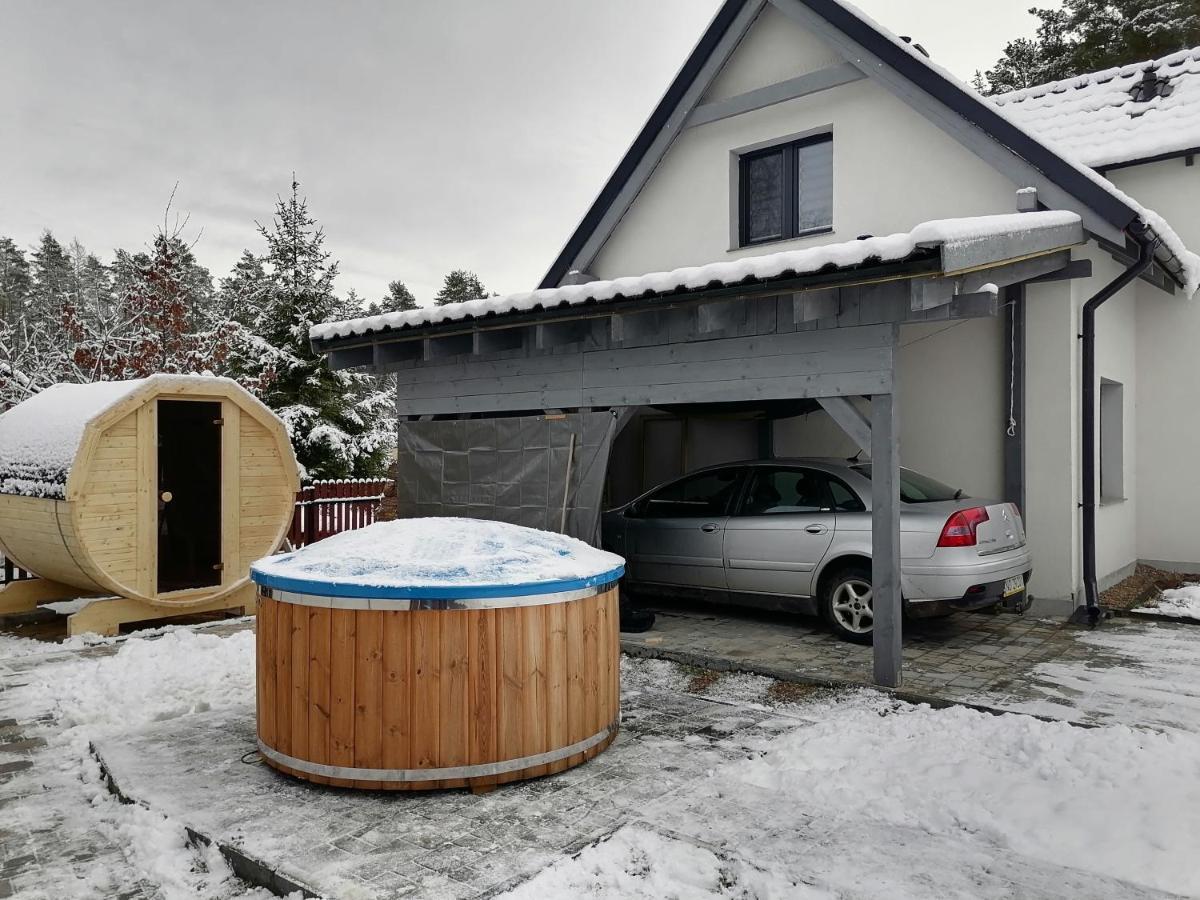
(848, 605)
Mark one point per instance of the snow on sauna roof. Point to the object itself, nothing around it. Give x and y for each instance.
(747, 270)
(1116, 115)
(440, 558)
(40, 437)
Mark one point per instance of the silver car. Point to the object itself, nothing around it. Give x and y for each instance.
(796, 534)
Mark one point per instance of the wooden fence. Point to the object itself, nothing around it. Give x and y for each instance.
(325, 508)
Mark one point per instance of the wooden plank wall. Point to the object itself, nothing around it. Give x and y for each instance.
(430, 689)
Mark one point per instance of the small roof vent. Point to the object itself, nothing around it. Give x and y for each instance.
(1152, 85)
(915, 46)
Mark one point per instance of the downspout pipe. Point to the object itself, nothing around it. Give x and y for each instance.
(1140, 232)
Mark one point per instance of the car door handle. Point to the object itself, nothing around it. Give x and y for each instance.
(710, 527)
(816, 529)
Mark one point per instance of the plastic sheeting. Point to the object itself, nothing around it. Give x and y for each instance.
(539, 471)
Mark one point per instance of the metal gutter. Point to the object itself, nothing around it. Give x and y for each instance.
(1142, 235)
(1146, 160)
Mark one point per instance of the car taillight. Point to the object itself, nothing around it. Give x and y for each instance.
(959, 530)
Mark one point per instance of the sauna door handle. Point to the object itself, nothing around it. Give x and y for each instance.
(166, 496)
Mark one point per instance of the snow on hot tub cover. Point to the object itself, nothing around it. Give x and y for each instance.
(39, 437)
(440, 558)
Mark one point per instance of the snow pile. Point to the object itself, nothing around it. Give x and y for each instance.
(1181, 603)
(1047, 791)
(440, 553)
(178, 673)
(1096, 118)
(640, 864)
(40, 437)
(771, 265)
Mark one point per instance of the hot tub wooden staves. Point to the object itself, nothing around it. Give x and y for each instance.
(420, 694)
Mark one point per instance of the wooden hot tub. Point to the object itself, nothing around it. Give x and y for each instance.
(386, 661)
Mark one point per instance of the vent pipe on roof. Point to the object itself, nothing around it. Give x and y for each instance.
(1152, 85)
(915, 46)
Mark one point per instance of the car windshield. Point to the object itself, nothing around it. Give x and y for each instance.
(917, 488)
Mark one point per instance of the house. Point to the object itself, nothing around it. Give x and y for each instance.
(818, 184)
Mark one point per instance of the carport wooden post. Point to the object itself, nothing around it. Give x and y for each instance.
(885, 535)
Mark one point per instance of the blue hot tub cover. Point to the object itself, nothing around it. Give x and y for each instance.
(440, 558)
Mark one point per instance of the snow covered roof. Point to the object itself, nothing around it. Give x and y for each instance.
(40, 437)
(1101, 119)
(446, 558)
(745, 271)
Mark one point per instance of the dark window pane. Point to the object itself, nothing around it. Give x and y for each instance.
(844, 499)
(782, 491)
(918, 488)
(764, 197)
(706, 494)
(814, 185)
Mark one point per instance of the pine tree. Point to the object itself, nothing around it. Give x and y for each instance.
(15, 280)
(1090, 35)
(398, 299)
(332, 417)
(458, 286)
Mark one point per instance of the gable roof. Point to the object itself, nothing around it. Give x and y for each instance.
(1096, 118)
(876, 51)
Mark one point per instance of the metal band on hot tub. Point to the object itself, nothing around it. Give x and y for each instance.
(438, 603)
(449, 773)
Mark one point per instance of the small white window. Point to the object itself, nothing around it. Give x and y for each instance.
(1112, 440)
(786, 191)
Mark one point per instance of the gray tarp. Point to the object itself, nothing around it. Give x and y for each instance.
(515, 469)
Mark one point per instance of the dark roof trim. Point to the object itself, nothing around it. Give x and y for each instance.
(1146, 160)
(978, 113)
(956, 98)
(923, 261)
(641, 144)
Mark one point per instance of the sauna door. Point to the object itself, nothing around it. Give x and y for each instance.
(189, 494)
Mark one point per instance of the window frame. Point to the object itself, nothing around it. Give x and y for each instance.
(739, 510)
(790, 187)
(637, 510)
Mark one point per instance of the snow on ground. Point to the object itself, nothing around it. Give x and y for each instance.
(846, 795)
(439, 553)
(1146, 674)
(178, 673)
(1181, 602)
(880, 798)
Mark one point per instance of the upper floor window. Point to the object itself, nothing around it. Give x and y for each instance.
(787, 190)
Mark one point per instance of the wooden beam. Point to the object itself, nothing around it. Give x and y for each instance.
(351, 358)
(887, 642)
(813, 305)
(1077, 268)
(720, 316)
(561, 334)
(792, 88)
(450, 345)
(928, 293)
(497, 340)
(849, 419)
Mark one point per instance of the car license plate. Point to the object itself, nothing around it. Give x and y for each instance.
(1014, 585)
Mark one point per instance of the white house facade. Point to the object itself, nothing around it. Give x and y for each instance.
(893, 166)
(816, 212)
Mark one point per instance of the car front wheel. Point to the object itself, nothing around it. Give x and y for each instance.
(848, 605)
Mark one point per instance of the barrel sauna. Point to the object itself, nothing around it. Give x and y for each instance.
(162, 490)
(437, 653)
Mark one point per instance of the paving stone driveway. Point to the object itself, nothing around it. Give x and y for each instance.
(954, 658)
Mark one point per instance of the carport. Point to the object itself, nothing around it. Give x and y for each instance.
(820, 323)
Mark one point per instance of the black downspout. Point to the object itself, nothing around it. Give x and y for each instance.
(1139, 231)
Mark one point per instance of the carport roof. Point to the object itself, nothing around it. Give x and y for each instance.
(948, 246)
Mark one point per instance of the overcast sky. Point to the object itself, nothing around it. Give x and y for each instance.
(427, 134)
